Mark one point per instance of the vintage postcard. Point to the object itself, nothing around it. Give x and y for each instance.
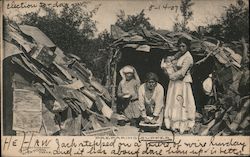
(125, 78)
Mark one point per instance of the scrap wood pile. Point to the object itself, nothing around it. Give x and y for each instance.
(227, 110)
(53, 94)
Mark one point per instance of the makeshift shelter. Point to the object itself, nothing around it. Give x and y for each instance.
(144, 50)
(48, 93)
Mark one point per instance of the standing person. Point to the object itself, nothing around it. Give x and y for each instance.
(128, 94)
(151, 99)
(180, 105)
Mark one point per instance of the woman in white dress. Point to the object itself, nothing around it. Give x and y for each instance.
(180, 105)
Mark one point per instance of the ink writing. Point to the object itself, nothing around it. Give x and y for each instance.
(30, 5)
(163, 6)
(124, 146)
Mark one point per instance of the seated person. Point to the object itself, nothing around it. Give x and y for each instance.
(151, 95)
(128, 94)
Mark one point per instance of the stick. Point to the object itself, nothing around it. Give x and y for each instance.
(163, 38)
(209, 54)
(244, 55)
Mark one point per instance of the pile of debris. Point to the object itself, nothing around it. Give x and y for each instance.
(52, 94)
(228, 106)
(227, 110)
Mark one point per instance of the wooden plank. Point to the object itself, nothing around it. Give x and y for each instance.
(27, 110)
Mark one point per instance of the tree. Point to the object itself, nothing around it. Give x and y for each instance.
(99, 54)
(68, 29)
(186, 13)
(133, 22)
(106, 38)
(235, 22)
(233, 25)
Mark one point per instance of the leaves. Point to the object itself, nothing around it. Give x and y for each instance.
(133, 22)
(186, 13)
(72, 30)
(233, 24)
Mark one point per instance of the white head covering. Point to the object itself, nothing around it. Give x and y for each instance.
(129, 69)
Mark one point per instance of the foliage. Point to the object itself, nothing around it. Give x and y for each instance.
(233, 24)
(186, 13)
(68, 29)
(99, 54)
(133, 22)
(72, 29)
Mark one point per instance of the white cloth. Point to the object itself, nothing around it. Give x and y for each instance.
(128, 87)
(126, 69)
(157, 98)
(208, 85)
(180, 104)
(168, 66)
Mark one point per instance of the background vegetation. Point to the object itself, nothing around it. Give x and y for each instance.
(73, 29)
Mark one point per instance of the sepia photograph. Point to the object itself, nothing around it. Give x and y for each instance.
(125, 78)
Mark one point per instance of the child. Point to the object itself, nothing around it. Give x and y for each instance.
(168, 66)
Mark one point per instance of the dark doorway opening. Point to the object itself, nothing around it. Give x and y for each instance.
(145, 62)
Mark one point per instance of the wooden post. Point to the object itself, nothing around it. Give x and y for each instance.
(245, 58)
(114, 88)
(108, 71)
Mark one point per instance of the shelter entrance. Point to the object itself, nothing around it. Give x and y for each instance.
(144, 62)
